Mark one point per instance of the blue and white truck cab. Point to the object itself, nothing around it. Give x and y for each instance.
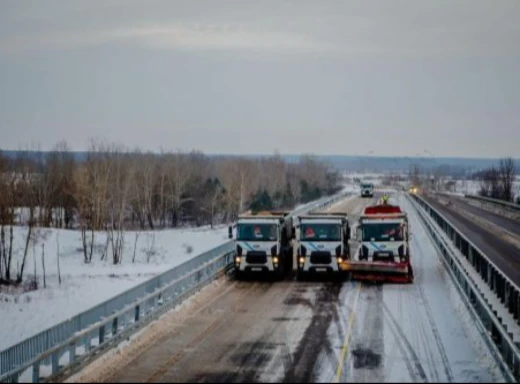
(263, 243)
(323, 242)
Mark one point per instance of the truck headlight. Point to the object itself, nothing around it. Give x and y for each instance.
(237, 260)
(302, 260)
(275, 260)
(340, 260)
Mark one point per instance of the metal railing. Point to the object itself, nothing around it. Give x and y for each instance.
(502, 203)
(448, 239)
(121, 315)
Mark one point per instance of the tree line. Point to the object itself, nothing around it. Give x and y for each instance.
(497, 182)
(114, 189)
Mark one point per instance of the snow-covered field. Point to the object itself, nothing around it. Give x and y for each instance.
(86, 285)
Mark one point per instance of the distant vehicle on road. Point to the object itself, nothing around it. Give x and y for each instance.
(367, 190)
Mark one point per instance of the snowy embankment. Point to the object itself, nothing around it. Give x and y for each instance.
(86, 285)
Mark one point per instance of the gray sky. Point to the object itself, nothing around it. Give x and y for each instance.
(327, 77)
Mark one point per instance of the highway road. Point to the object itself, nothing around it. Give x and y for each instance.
(498, 237)
(316, 331)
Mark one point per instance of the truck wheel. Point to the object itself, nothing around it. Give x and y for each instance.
(239, 275)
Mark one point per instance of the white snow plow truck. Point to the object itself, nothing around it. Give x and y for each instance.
(323, 243)
(367, 190)
(384, 253)
(263, 243)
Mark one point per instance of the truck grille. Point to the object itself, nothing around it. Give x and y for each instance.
(321, 258)
(256, 258)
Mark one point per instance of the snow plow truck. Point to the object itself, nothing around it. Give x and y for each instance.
(263, 243)
(383, 254)
(323, 243)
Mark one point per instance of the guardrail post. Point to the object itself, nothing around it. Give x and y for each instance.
(136, 316)
(55, 362)
(101, 334)
(36, 372)
(72, 352)
(114, 326)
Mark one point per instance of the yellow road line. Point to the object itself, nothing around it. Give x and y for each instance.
(344, 349)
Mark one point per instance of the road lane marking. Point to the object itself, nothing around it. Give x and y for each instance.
(344, 349)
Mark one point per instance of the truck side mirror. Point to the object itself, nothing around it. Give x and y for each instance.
(230, 232)
(293, 234)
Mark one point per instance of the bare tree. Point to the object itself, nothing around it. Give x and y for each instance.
(490, 183)
(43, 267)
(213, 197)
(121, 182)
(144, 188)
(58, 256)
(180, 170)
(28, 185)
(85, 209)
(507, 173)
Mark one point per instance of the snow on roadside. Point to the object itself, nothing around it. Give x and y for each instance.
(440, 307)
(86, 285)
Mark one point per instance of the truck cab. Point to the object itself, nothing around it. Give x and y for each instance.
(383, 235)
(367, 190)
(263, 243)
(323, 242)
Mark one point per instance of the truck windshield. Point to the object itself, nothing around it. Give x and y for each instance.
(257, 232)
(366, 186)
(383, 232)
(320, 232)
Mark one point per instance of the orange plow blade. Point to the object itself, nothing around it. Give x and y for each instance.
(401, 273)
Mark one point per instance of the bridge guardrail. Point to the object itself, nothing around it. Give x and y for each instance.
(50, 346)
(502, 203)
(446, 237)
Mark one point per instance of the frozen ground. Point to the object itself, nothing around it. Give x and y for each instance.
(86, 285)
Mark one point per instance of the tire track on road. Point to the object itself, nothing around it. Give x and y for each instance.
(324, 311)
(158, 373)
(417, 368)
(434, 329)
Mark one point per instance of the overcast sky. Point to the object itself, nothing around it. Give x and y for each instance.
(326, 77)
